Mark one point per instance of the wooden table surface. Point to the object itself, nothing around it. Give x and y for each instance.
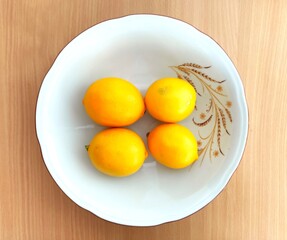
(254, 203)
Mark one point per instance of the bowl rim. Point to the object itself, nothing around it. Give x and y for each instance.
(169, 218)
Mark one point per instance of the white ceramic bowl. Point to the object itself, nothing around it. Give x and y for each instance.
(142, 49)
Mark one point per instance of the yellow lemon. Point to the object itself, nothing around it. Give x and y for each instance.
(117, 152)
(170, 99)
(173, 145)
(113, 102)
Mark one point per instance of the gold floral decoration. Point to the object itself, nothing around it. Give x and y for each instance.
(216, 114)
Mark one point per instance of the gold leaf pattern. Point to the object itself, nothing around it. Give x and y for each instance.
(193, 65)
(202, 124)
(206, 76)
(228, 114)
(192, 84)
(223, 120)
(216, 112)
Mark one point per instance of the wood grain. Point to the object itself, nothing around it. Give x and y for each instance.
(254, 203)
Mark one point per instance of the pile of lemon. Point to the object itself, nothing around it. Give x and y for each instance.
(116, 103)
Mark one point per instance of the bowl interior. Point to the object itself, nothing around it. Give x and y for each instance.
(142, 49)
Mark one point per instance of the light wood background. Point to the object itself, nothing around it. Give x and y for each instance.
(254, 203)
